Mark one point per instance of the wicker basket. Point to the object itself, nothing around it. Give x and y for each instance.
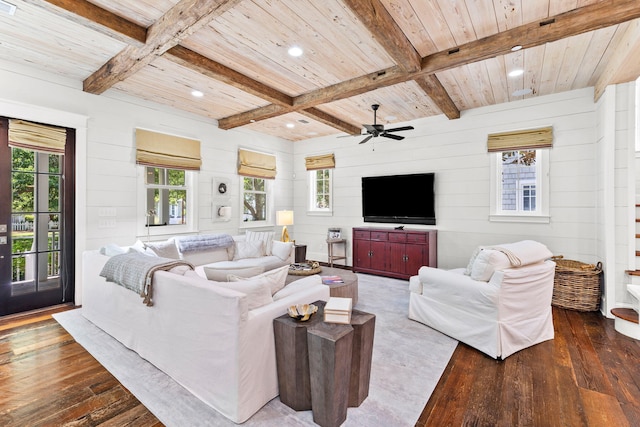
(576, 285)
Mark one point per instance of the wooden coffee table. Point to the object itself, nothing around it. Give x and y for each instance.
(348, 289)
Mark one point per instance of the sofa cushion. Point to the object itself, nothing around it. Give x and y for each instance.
(222, 274)
(249, 249)
(281, 249)
(474, 255)
(276, 278)
(257, 290)
(207, 256)
(487, 262)
(263, 236)
(167, 249)
(298, 285)
(112, 249)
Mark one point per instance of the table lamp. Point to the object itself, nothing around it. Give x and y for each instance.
(284, 218)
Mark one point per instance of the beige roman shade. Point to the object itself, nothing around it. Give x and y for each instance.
(258, 165)
(326, 161)
(530, 139)
(37, 137)
(167, 151)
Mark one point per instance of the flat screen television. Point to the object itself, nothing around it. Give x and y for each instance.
(402, 199)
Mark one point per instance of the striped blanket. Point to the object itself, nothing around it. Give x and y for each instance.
(134, 271)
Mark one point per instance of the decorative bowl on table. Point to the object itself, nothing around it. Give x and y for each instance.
(302, 312)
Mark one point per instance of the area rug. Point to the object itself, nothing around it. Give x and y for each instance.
(408, 359)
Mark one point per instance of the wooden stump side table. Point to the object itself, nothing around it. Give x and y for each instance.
(324, 367)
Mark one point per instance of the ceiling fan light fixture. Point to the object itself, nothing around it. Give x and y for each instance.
(516, 72)
(295, 51)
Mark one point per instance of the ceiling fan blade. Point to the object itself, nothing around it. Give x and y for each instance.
(366, 139)
(400, 128)
(348, 136)
(392, 136)
(370, 128)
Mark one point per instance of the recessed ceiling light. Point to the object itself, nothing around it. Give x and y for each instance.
(197, 93)
(312, 133)
(290, 125)
(252, 120)
(516, 73)
(522, 92)
(7, 8)
(295, 51)
(516, 48)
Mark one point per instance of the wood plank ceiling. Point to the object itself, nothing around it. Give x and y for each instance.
(416, 58)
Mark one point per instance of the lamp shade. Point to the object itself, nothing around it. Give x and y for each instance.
(284, 218)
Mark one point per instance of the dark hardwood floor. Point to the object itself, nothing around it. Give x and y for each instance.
(589, 375)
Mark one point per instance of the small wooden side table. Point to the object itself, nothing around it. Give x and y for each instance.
(332, 257)
(322, 366)
(301, 253)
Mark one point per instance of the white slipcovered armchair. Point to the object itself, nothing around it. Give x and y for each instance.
(499, 304)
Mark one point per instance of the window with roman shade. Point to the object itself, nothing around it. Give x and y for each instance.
(257, 165)
(520, 175)
(530, 139)
(167, 151)
(325, 161)
(37, 137)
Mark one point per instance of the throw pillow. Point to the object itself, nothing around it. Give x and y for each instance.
(297, 286)
(281, 249)
(112, 249)
(474, 255)
(276, 278)
(221, 274)
(166, 249)
(252, 249)
(264, 236)
(487, 262)
(257, 291)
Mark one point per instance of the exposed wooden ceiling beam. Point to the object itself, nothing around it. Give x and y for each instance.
(91, 16)
(576, 21)
(623, 66)
(177, 24)
(432, 87)
(342, 90)
(327, 119)
(386, 31)
(203, 65)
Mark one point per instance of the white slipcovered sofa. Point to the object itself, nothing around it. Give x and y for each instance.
(499, 304)
(214, 338)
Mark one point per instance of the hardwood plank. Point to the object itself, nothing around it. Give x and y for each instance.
(623, 66)
(434, 89)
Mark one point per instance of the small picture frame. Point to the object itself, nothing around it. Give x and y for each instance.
(333, 234)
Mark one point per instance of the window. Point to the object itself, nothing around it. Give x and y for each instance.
(168, 200)
(255, 199)
(520, 185)
(320, 198)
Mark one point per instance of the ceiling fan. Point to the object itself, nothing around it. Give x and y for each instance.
(376, 130)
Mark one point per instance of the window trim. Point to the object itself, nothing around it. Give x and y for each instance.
(542, 190)
(269, 221)
(191, 185)
(311, 193)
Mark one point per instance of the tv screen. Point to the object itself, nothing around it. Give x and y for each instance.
(403, 199)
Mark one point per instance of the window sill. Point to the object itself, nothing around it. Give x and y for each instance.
(320, 213)
(532, 219)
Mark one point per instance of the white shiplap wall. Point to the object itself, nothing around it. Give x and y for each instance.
(456, 151)
(107, 202)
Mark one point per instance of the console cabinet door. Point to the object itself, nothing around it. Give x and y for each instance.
(378, 255)
(362, 250)
(414, 258)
